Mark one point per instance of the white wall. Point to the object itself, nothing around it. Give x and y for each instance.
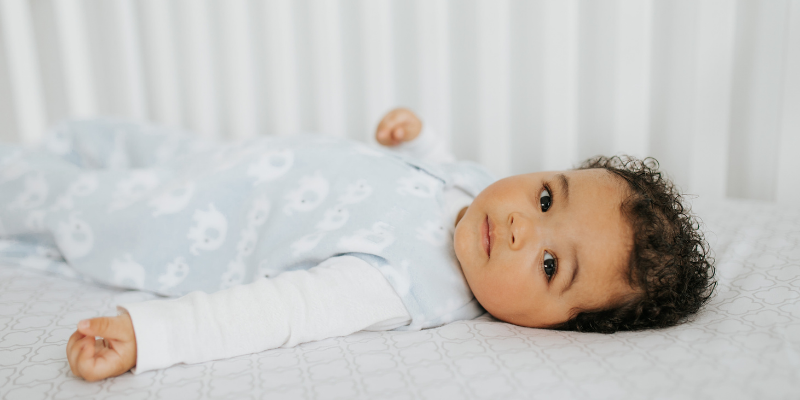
(711, 87)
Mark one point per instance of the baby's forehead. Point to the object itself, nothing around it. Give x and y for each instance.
(597, 203)
(595, 173)
(596, 179)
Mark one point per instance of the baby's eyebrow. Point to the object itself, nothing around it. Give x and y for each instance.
(564, 186)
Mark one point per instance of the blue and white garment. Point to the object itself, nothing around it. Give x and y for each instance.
(142, 207)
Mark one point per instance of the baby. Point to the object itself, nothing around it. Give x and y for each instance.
(605, 247)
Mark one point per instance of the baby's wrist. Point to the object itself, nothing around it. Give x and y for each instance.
(127, 324)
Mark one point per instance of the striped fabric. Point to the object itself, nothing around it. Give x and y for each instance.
(709, 87)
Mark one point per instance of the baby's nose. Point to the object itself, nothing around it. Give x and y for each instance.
(520, 230)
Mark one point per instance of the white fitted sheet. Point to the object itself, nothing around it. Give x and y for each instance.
(745, 344)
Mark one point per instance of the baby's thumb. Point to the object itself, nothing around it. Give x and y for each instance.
(104, 327)
(398, 134)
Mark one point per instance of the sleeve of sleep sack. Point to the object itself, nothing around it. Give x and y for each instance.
(340, 296)
(429, 146)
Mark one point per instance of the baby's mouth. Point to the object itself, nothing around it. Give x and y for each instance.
(487, 236)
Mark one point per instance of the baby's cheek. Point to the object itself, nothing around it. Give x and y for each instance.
(493, 295)
(458, 244)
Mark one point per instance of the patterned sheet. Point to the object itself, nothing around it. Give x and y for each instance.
(745, 344)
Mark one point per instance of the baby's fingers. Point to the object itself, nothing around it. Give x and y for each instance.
(392, 136)
(106, 327)
(86, 362)
(387, 128)
(82, 348)
(72, 351)
(94, 365)
(398, 134)
(384, 135)
(74, 339)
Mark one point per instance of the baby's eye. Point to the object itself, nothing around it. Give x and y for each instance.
(549, 265)
(545, 200)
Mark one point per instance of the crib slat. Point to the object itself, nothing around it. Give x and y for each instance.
(788, 180)
(239, 69)
(131, 53)
(493, 86)
(379, 63)
(75, 53)
(632, 74)
(195, 38)
(328, 72)
(560, 140)
(433, 41)
(758, 86)
(162, 68)
(8, 120)
(715, 46)
(23, 66)
(283, 88)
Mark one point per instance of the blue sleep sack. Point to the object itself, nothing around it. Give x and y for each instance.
(144, 207)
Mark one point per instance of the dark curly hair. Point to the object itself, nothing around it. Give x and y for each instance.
(669, 266)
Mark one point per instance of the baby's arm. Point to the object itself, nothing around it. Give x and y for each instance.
(403, 130)
(338, 297)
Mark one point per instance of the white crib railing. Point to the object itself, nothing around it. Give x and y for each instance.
(711, 87)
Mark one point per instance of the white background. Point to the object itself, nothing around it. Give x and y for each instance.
(710, 88)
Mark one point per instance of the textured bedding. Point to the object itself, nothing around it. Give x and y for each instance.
(744, 344)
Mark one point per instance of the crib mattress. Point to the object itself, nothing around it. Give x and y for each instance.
(745, 344)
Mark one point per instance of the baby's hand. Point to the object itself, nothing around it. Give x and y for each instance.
(397, 126)
(113, 355)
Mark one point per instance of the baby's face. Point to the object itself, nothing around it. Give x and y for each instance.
(534, 247)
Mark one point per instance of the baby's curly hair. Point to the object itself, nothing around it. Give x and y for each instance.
(669, 266)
